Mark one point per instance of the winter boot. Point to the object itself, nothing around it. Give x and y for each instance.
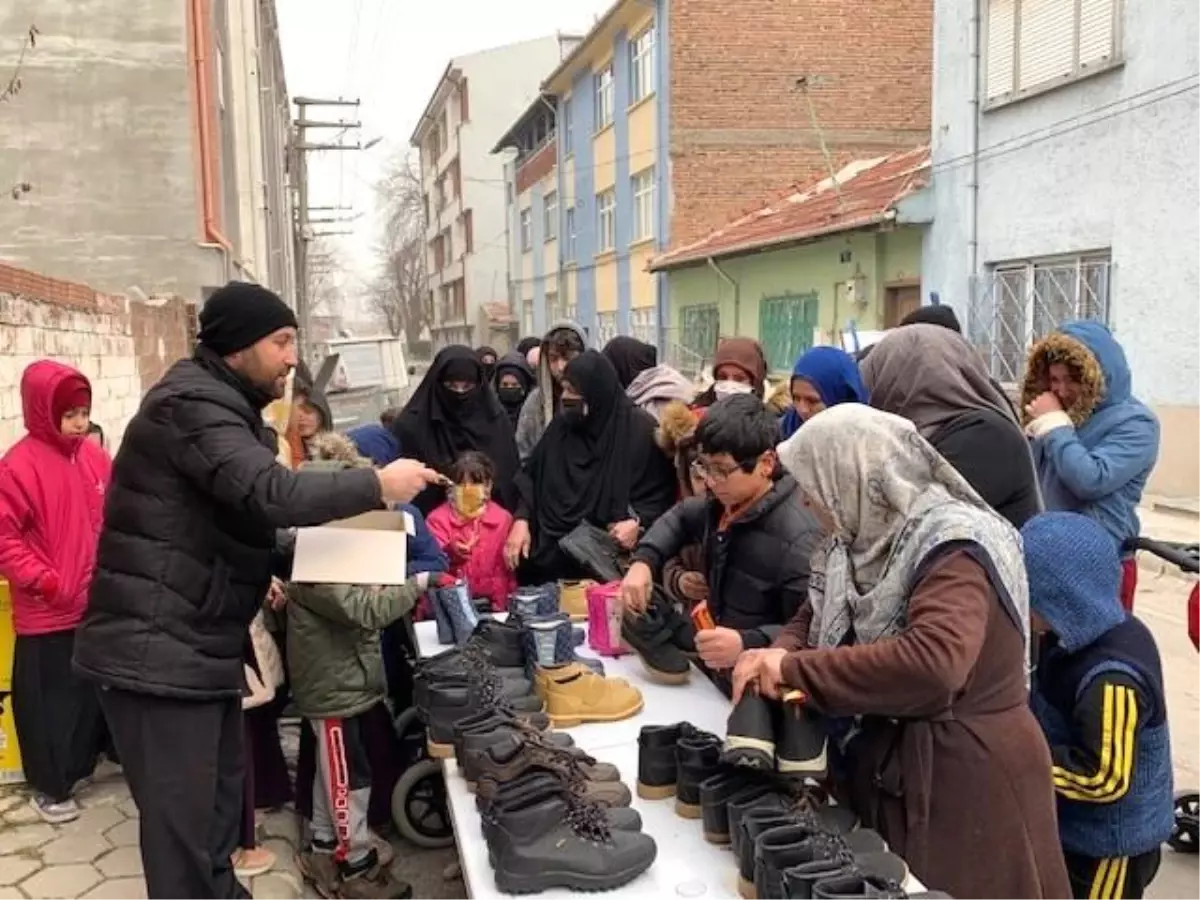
(572, 599)
(527, 602)
(800, 750)
(604, 619)
(500, 643)
(561, 842)
(782, 848)
(853, 885)
(478, 756)
(503, 764)
(739, 806)
(574, 694)
(549, 641)
(538, 782)
(496, 722)
(715, 793)
(447, 703)
(697, 757)
(486, 719)
(474, 745)
(822, 857)
(750, 733)
(651, 635)
(657, 767)
(754, 824)
(456, 606)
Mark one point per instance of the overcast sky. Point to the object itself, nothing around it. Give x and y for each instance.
(390, 54)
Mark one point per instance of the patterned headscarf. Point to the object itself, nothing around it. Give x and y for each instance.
(894, 501)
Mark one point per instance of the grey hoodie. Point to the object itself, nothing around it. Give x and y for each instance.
(539, 405)
(654, 388)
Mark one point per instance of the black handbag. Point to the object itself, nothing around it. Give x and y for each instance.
(596, 551)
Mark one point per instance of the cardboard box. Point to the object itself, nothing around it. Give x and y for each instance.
(367, 549)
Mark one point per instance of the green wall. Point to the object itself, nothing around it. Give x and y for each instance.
(877, 258)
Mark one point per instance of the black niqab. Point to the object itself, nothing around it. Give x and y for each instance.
(514, 364)
(489, 369)
(438, 424)
(630, 357)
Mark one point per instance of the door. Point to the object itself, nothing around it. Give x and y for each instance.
(898, 302)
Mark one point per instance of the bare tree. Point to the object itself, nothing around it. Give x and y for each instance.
(399, 296)
(11, 89)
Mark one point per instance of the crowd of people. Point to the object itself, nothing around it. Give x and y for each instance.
(942, 572)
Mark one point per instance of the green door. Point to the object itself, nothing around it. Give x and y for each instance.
(785, 327)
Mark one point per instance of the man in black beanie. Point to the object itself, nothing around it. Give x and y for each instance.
(183, 566)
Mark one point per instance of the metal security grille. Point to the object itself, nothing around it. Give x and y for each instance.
(1015, 304)
(643, 324)
(786, 327)
(701, 327)
(606, 328)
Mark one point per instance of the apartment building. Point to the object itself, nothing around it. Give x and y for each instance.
(674, 118)
(477, 98)
(1065, 186)
(154, 138)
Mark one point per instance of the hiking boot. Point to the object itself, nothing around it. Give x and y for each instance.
(375, 883)
(797, 869)
(715, 793)
(487, 719)
(531, 602)
(456, 606)
(514, 757)
(495, 724)
(818, 817)
(320, 870)
(572, 599)
(783, 847)
(697, 756)
(801, 748)
(861, 884)
(561, 842)
(750, 733)
(538, 782)
(451, 668)
(476, 745)
(550, 641)
(449, 703)
(651, 635)
(574, 694)
(658, 769)
(740, 805)
(500, 643)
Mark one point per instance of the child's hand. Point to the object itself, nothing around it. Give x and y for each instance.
(276, 597)
(693, 586)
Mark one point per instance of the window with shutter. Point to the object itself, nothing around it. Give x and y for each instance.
(1001, 47)
(1046, 48)
(1097, 31)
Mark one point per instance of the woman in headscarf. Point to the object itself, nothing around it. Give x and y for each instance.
(822, 377)
(453, 410)
(931, 376)
(739, 367)
(525, 344)
(564, 341)
(917, 629)
(597, 463)
(650, 386)
(514, 380)
(487, 357)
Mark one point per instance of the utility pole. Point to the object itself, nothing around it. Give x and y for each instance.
(304, 221)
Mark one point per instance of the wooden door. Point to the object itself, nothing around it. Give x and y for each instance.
(898, 302)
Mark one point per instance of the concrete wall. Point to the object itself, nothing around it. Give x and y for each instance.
(102, 129)
(122, 346)
(1106, 163)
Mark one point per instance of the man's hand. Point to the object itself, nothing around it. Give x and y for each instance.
(636, 587)
(516, 548)
(276, 598)
(760, 670)
(402, 480)
(625, 533)
(719, 647)
(694, 586)
(1043, 403)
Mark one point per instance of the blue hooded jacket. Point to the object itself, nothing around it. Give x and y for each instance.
(1100, 466)
(834, 374)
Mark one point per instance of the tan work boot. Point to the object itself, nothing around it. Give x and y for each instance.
(572, 599)
(574, 694)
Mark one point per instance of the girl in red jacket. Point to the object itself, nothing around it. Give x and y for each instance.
(472, 528)
(52, 485)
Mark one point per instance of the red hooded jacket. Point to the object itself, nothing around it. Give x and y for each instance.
(51, 507)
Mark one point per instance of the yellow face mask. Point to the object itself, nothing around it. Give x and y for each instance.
(469, 500)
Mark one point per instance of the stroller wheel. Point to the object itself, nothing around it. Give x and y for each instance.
(1185, 837)
(420, 809)
(411, 735)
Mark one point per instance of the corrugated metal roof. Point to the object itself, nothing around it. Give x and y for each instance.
(866, 193)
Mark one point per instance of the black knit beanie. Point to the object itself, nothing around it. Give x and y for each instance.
(239, 315)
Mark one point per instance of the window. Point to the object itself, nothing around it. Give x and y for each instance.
(569, 250)
(1034, 44)
(606, 208)
(701, 328)
(527, 316)
(643, 324)
(641, 66)
(1017, 303)
(526, 230)
(448, 238)
(439, 254)
(606, 327)
(604, 97)
(219, 66)
(468, 224)
(643, 204)
(464, 102)
(550, 216)
(786, 325)
(568, 127)
(553, 313)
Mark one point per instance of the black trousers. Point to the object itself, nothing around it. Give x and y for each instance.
(60, 728)
(1112, 879)
(183, 760)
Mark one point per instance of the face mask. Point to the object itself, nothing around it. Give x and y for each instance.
(572, 410)
(461, 396)
(729, 388)
(511, 396)
(469, 500)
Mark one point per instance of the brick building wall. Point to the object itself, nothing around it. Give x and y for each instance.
(121, 345)
(741, 130)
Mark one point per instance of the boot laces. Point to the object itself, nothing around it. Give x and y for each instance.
(587, 820)
(834, 847)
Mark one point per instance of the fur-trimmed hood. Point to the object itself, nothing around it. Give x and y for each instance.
(677, 423)
(1081, 346)
(329, 446)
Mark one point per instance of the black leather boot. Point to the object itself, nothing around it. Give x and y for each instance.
(715, 793)
(489, 720)
(658, 769)
(855, 885)
(697, 756)
(823, 856)
(750, 733)
(772, 798)
(801, 746)
(755, 825)
(652, 637)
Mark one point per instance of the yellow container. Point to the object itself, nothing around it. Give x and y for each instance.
(10, 751)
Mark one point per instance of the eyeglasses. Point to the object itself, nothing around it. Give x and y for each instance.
(712, 474)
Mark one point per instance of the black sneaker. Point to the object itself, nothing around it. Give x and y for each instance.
(697, 756)
(750, 733)
(652, 637)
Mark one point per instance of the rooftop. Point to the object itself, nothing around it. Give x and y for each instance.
(862, 195)
(541, 103)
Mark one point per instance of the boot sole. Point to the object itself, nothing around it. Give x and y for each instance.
(746, 889)
(508, 883)
(439, 751)
(655, 791)
(721, 840)
(687, 810)
(660, 677)
(570, 721)
(749, 753)
(816, 767)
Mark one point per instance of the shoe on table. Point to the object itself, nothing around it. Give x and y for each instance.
(697, 757)
(574, 694)
(249, 862)
(511, 760)
(715, 793)
(791, 860)
(537, 784)
(750, 733)
(801, 746)
(55, 812)
(573, 599)
(652, 637)
(476, 744)
(658, 769)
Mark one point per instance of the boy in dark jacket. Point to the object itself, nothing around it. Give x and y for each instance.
(1098, 694)
(755, 535)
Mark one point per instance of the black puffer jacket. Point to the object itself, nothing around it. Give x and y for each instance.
(757, 569)
(184, 560)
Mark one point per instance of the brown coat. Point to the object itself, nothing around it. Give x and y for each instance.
(952, 768)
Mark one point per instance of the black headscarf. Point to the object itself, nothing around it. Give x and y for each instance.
(933, 315)
(489, 369)
(528, 343)
(436, 425)
(514, 364)
(630, 357)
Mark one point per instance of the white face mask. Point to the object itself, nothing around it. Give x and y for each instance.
(729, 388)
